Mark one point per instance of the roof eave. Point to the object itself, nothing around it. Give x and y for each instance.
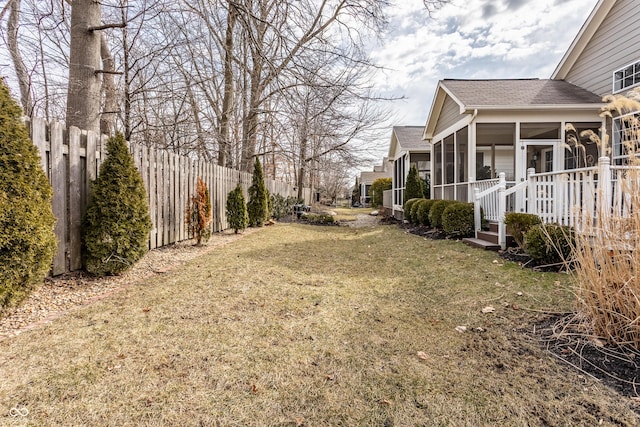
(588, 29)
(436, 108)
(597, 106)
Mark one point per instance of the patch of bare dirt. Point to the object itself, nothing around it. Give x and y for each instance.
(57, 295)
(617, 366)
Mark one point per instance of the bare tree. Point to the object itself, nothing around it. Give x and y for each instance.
(84, 92)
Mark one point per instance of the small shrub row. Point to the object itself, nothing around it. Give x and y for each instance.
(282, 206)
(317, 218)
(454, 218)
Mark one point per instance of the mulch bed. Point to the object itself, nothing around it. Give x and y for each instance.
(615, 366)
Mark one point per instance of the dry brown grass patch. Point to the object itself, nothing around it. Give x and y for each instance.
(308, 325)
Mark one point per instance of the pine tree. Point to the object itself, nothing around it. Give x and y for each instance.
(258, 206)
(414, 185)
(237, 210)
(198, 213)
(116, 225)
(27, 241)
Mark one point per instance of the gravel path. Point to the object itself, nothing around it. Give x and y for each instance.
(60, 294)
(364, 221)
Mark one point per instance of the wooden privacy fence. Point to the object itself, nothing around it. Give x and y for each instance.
(72, 159)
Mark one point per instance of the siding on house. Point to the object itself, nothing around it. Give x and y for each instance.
(449, 115)
(614, 45)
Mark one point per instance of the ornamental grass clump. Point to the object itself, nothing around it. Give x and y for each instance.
(608, 256)
(198, 216)
(27, 241)
(116, 225)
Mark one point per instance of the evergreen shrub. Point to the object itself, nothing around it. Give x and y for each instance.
(116, 225)
(550, 243)
(414, 186)
(258, 205)
(378, 188)
(317, 218)
(519, 223)
(408, 205)
(282, 206)
(415, 219)
(423, 212)
(457, 220)
(435, 213)
(198, 213)
(236, 210)
(27, 241)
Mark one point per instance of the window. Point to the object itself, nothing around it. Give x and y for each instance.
(625, 137)
(626, 77)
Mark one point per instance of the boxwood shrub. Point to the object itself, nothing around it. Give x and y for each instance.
(457, 219)
(407, 209)
(550, 243)
(423, 211)
(519, 223)
(435, 213)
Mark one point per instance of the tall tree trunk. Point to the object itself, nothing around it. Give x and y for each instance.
(224, 153)
(108, 117)
(83, 97)
(21, 70)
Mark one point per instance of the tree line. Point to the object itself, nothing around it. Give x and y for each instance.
(287, 81)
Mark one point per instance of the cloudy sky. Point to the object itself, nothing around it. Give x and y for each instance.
(470, 39)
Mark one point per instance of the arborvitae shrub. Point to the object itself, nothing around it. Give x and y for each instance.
(435, 213)
(198, 213)
(116, 225)
(258, 206)
(414, 185)
(519, 223)
(457, 220)
(407, 208)
(423, 212)
(236, 210)
(550, 243)
(27, 241)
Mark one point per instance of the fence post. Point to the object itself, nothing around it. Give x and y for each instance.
(530, 199)
(502, 208)
(605, 191)
(477, 220)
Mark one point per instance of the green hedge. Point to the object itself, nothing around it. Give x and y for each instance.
(423, 212)
(27, 242)
(435, 213)
(550, 243)
(518, 224)
(408, 205)
(457, 220)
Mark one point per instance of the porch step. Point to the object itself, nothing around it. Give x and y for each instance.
(493, 237)
(480, 243)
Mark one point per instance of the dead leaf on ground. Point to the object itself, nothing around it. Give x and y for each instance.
(146, 309)
(384, 402)
(254, 389)
(461, 329)
(300, 421)
(422, 355)
(488, 309)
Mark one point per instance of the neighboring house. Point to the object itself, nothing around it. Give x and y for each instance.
(509, 136)
(479, 128)
(367, 178)
(407, 148)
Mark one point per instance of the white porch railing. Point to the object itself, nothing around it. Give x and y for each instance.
(569, 197)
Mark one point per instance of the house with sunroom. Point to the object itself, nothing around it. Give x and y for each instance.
(407, 148)
(505, 145)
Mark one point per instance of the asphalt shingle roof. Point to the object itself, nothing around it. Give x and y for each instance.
(511, 93)
(410, 137)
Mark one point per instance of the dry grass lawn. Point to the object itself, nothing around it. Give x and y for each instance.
(310, 326)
